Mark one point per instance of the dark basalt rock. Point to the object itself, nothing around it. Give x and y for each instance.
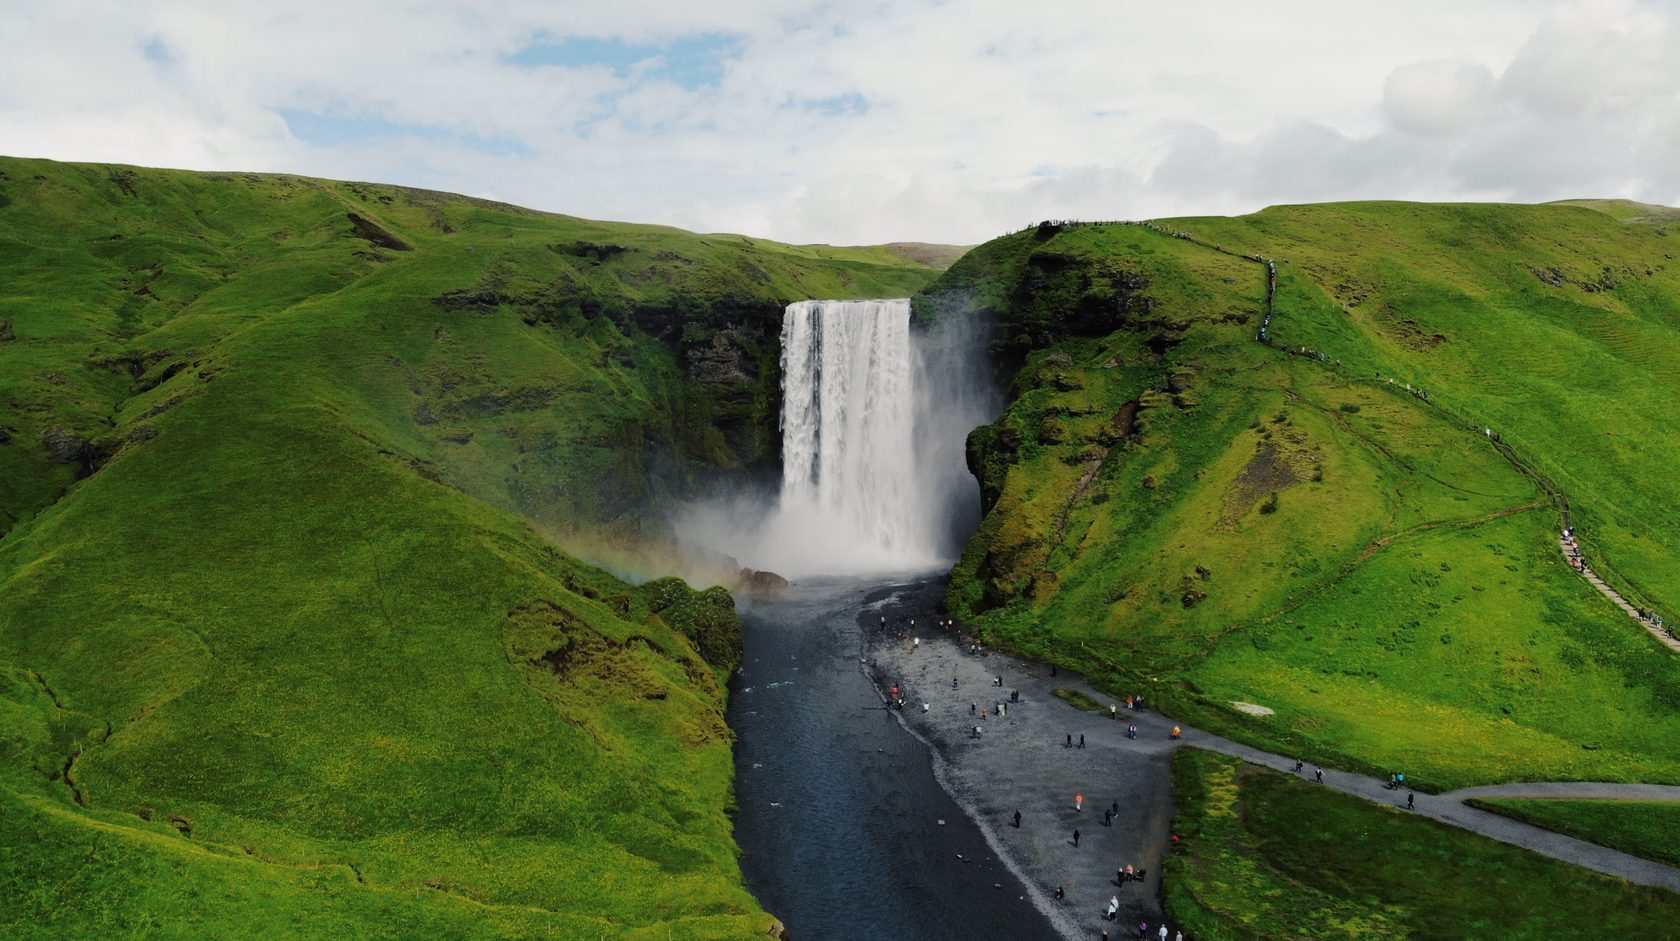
(755, 582)
(368, 229)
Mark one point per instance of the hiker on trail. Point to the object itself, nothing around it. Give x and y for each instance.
(1130, 873)
(1079, 802)
(977, 731)
(971, 707)
(924, 707)
(895, 691)
(1163, 933)
(953, 682)
(1113, 906)
(1081, 739)
(1113, 711)
(1319, 774)
(1176, 732)
(999, 681)
(915, 642)
(1060, 894)
(1017, 820)
(1075, 836)
(1014, 695)
(1108, 819)
(1129, 701)
(1143, 929)
(1131, 731)
(1411, 802)
(1003, 709)
(1069, 742)
(982, 715)
(1298, 766)
(1116, 808)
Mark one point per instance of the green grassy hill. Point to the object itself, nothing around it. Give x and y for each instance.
(1183, 511)
(285, 647)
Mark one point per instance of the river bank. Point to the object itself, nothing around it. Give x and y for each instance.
(1021, 760)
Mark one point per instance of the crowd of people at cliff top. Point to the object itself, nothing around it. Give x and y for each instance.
(1578, 562)
(898, 694)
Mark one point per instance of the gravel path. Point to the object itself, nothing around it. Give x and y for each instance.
(1568, 547)
(1021, 762)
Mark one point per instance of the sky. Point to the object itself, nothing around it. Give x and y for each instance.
(860, 122)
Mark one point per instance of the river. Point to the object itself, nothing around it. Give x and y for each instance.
(845, 834)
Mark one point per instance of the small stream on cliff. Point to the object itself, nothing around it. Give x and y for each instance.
(844, 832)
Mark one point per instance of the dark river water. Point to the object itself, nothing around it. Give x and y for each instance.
(845, 834)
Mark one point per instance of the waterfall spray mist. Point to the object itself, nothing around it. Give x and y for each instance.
(875, 416)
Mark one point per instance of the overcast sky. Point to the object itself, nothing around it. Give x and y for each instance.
(855, 122)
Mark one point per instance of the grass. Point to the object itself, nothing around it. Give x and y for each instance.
(1077, 699)
(1173, 506)
(1267, 855)
(1641, 828)
(288, 646)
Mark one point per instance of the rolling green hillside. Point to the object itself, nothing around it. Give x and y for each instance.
(1269, 856)
(284, 648)
(1183, 511)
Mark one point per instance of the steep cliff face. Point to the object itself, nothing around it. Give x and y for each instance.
(580, 373)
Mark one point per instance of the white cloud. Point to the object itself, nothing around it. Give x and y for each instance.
(933, 120)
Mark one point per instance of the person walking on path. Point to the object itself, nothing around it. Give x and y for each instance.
(1177, 732)
(1017, 820)
(1081, 739)
(1075, 836)
(1069, 742)
(1079, 802)
(1163, 932)
(1319, 774)
(1108, 819)
(1411, 802)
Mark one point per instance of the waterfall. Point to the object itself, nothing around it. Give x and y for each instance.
(849, 455)
(874, 419)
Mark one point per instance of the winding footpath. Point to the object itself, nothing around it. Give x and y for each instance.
(1662, 636)
(1021, 761)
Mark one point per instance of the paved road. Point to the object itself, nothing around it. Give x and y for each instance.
(1020, 762)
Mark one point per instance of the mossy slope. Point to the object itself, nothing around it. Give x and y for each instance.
(284, 650)
(1179, 509)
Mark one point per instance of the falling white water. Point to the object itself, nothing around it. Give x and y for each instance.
(874, 420)
(849, 465)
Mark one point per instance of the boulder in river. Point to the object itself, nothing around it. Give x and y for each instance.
(755, 582)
